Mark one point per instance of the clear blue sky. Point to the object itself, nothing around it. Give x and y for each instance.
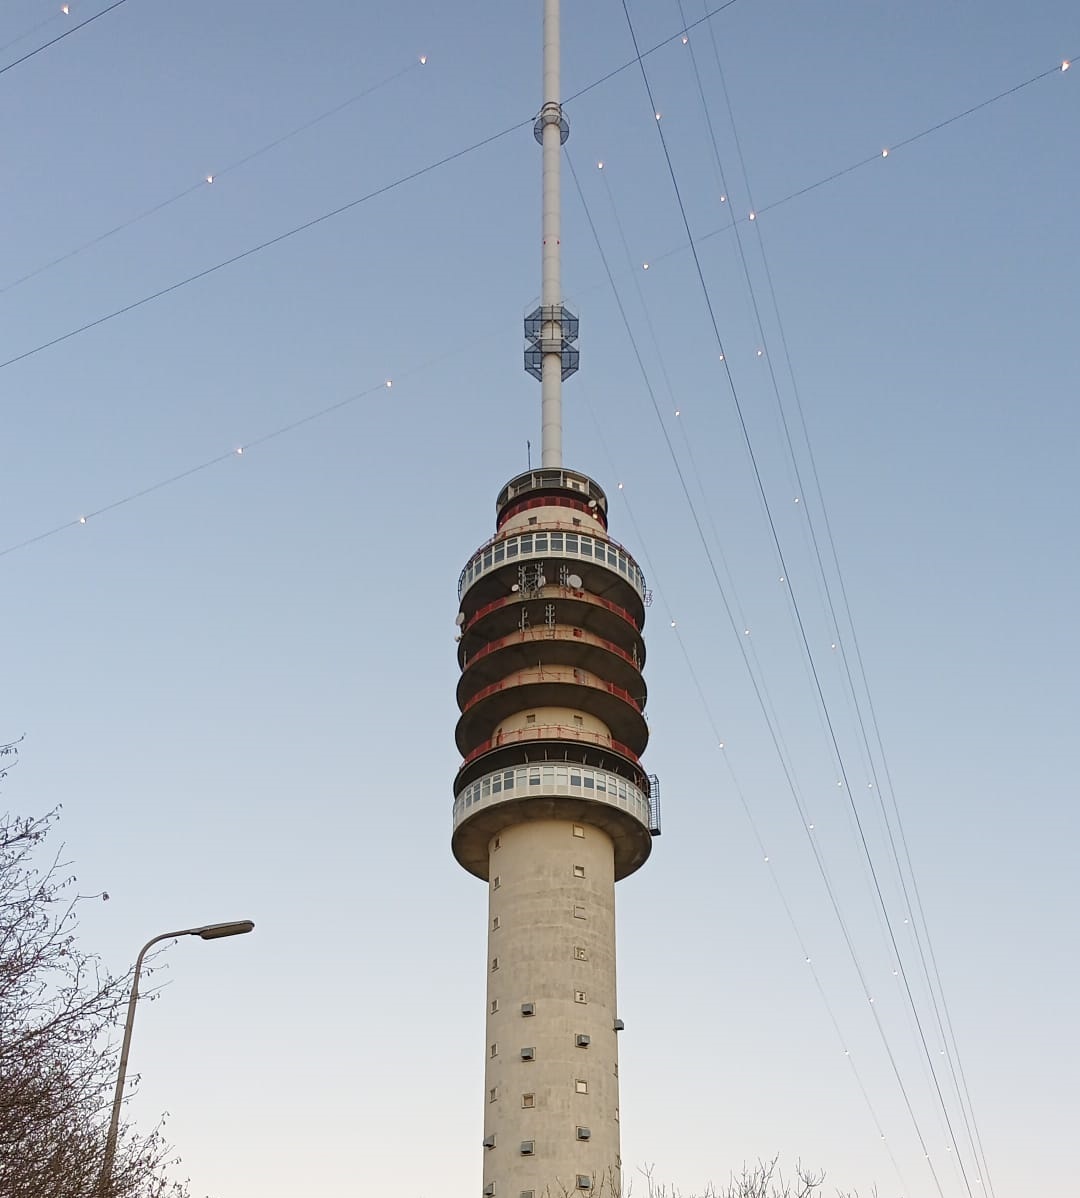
(241, 686)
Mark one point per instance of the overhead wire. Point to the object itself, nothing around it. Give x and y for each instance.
(838, 755)
(212, 177)
(60, 37)
(654, 257)
(461, 153)
(236, 452)
(32, 30)
(263, 245)
(954, 1060)
(753, 669)
(319, 219)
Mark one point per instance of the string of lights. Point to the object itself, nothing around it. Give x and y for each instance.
(916, 907)
(875, 158)
(215, 176)
(765, 705)
(838, 756)
(731, 603)
(844, 780)
(429, 167)
(217, 459)
(264, 245)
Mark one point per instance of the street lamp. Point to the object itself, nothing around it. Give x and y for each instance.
(210, 931)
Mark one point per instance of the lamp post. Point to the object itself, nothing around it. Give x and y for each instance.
(213, 931)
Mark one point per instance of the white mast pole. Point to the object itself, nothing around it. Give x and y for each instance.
(551, 291)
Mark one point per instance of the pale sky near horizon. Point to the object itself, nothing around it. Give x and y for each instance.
(240, 685)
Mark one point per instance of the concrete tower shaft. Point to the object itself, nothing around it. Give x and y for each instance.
(551, 807)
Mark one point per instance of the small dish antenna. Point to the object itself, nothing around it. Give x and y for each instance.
(515, 587)
(574, 581)
(459, 619)
(541, 581)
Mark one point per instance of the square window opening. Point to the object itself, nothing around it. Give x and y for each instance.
(579, 830)
(581, 1086)
(528, 1101)
(579, 871)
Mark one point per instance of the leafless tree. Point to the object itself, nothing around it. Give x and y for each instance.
(763, 1180)
(59, 1011)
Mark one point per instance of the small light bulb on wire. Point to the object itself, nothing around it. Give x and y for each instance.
(209, 178)
(685, 39)
(599, 166)
(239, 451)
(65, 9)
(884, 153)
(82, 519)
(389, 383)
(423, 60)
(1064, 66)
(644, 266)
(753, 216)
(657, 115)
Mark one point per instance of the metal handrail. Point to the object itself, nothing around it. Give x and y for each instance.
(585, 596)
(551, 732)
(572, 635)
(568, 674)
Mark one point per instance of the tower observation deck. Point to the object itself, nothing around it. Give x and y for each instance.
(552, 805)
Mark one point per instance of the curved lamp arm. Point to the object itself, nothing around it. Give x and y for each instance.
(212, 931)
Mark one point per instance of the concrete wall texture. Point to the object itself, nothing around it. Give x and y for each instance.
(551, 944)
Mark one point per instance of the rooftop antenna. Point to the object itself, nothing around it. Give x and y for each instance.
(551, 330)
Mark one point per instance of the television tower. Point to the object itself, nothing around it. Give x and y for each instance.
(551, 804)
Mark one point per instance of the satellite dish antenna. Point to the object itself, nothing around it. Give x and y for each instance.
(459, 619)
(457, 638)
(574, 580)
(592, 503)
(515, 587)
(541, 581)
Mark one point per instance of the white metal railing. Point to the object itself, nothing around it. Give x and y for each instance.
(531, 545)
(546, 779)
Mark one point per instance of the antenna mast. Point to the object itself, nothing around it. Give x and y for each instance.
(551, 330)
